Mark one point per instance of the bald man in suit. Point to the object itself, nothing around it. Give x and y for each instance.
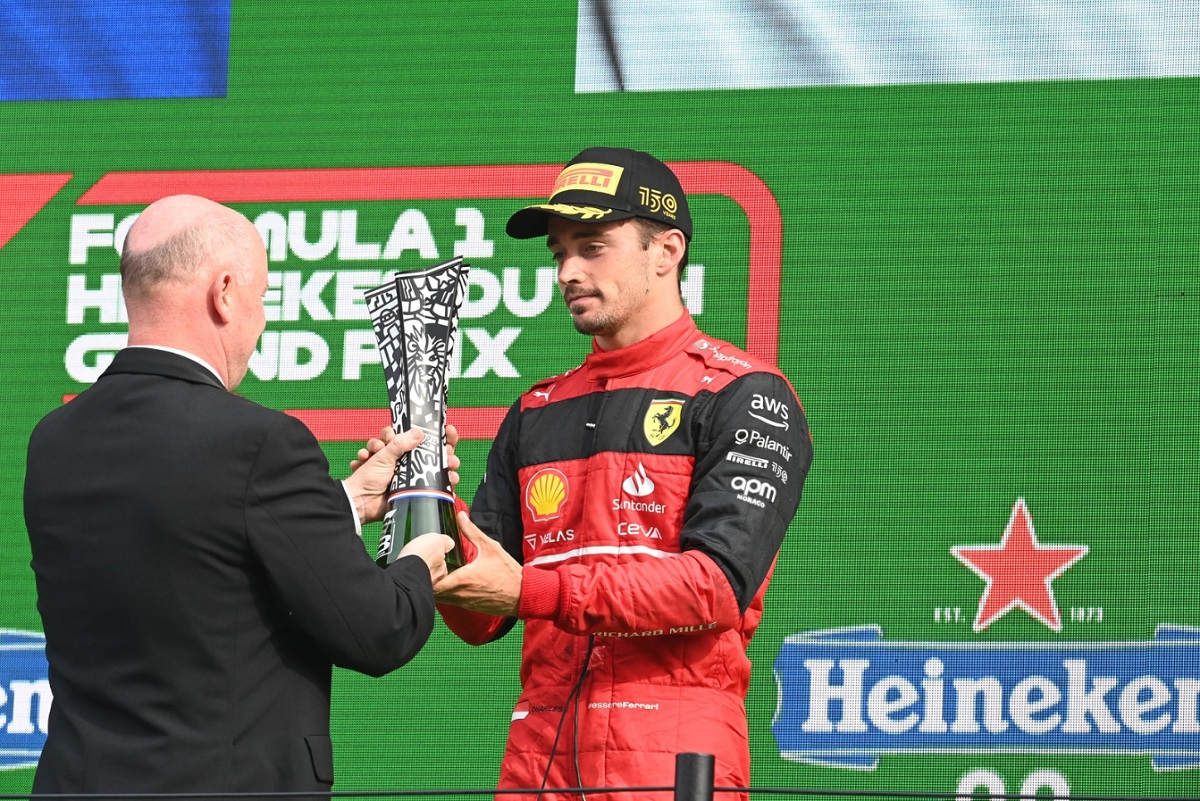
(198, 570)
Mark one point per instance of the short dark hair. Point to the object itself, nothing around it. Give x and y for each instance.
(649, 229)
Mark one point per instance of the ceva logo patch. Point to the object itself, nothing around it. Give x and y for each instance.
(24, 697)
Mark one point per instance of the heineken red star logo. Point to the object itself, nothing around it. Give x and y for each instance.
(1019, 571)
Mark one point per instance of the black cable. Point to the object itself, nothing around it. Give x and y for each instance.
(308, 795)
(575, 754)
(575, 694)
(587, 660)
(608, 34)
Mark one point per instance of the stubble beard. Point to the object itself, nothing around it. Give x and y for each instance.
(596, 322)
(607, 319)
(593, 325)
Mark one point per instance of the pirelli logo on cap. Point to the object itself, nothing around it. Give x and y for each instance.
(603, 178)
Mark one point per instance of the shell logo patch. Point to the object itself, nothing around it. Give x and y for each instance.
(545, 493)
(662, 419)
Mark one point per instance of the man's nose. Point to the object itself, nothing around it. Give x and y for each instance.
(569, 271)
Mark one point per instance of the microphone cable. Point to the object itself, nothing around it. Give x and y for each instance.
(575, 696)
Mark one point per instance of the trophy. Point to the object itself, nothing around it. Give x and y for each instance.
(415, 317)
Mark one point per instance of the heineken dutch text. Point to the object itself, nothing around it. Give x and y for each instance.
(415, 316)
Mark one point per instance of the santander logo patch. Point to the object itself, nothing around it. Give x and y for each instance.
(639, 484)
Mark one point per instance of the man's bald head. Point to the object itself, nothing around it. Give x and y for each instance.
(178, 239)
(194, 275)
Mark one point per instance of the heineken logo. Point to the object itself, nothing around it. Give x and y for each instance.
(25, 697)
(1018, 572)
(846, 697)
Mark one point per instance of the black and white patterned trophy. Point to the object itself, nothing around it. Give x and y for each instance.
(415, 316)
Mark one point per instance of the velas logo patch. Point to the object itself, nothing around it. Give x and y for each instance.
(603, 178)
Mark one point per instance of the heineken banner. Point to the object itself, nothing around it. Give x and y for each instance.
(966, 231)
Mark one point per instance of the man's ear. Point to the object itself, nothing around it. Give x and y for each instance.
(220, 296)
(673, 245)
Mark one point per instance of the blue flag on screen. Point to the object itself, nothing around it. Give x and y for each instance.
(111, 49)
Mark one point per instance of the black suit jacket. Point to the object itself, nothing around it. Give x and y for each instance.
(198, 573)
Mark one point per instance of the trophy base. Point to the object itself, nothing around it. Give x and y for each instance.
(417, 512)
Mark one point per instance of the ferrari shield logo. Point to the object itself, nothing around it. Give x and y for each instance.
(662, 418)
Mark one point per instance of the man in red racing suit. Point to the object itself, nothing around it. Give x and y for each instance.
(635, 507)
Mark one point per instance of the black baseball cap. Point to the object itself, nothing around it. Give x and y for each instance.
(603, 184)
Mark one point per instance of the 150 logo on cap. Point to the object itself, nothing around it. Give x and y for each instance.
(658, 202)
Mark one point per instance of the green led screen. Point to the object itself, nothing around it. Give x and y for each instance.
(981, 282)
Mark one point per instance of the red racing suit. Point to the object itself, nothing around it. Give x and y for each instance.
(646, 494)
